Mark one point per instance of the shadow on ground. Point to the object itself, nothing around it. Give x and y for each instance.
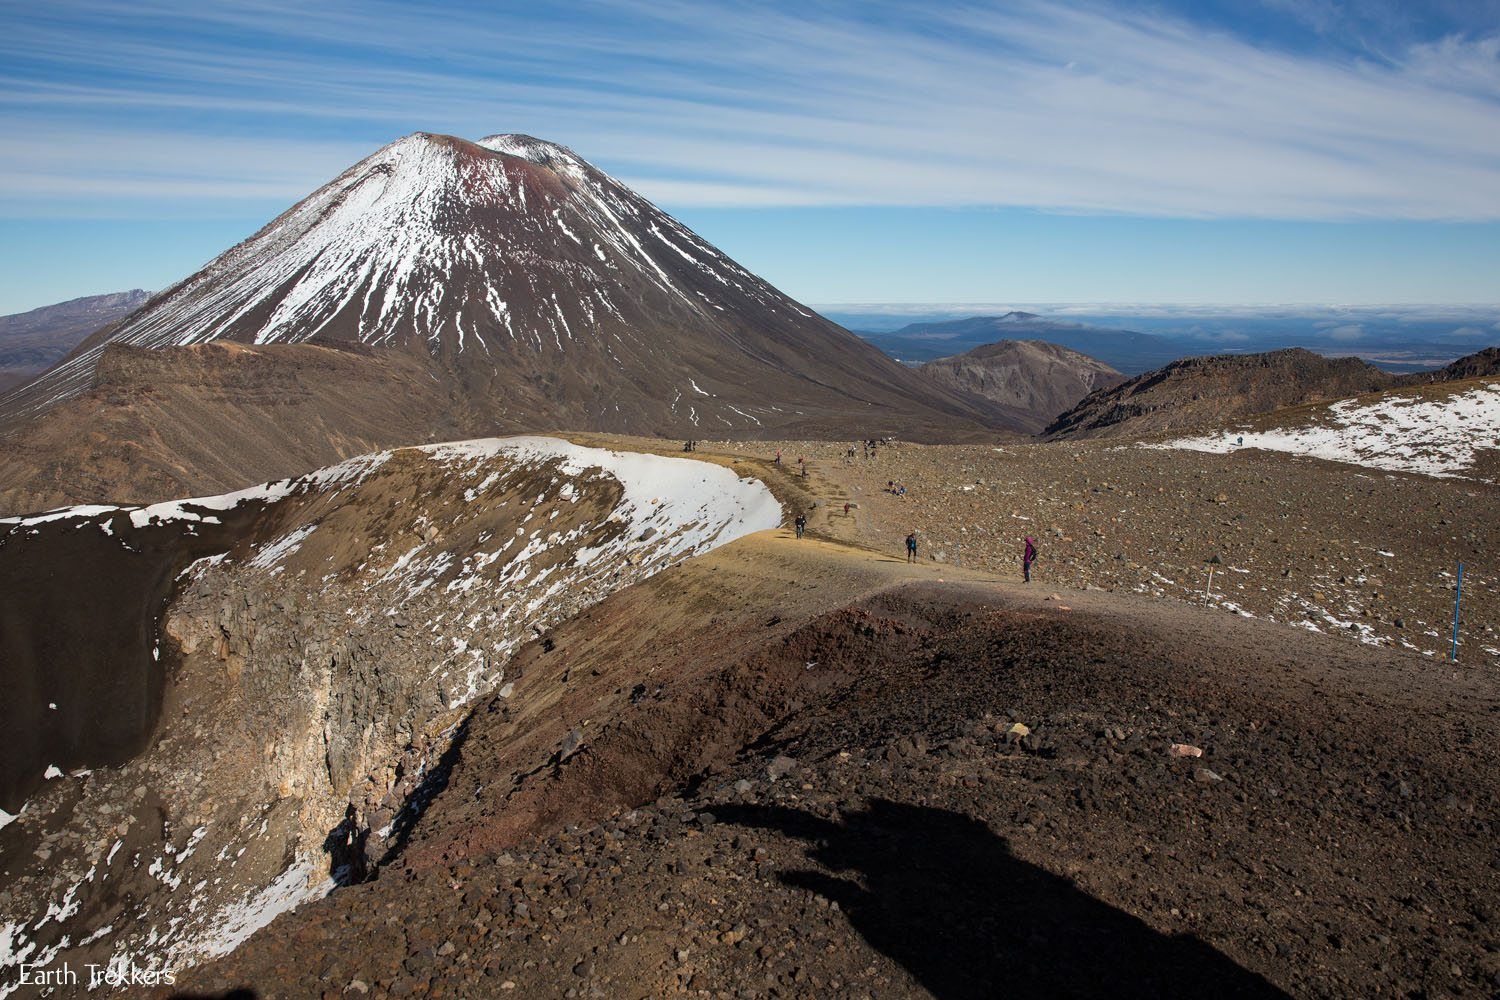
(944, 896)
(428, 789)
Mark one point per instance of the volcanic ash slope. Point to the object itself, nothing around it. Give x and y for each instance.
(545, 292)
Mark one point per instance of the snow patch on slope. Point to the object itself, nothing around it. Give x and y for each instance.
(505, 246)
(698, 504)
(296, 885)
(1399, 432)
(472, 601)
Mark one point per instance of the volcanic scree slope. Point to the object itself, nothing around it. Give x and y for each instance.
(546, 293)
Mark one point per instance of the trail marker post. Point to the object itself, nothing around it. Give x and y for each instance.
(1458, 597)
(1208, 592)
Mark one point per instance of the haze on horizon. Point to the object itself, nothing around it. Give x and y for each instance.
(1075, 152)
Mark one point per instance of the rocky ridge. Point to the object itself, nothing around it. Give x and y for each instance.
(1198, 392)
(1480, 364)
(887, 798)
(320, 666)
(211, 418)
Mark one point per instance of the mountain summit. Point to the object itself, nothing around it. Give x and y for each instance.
(544, 293)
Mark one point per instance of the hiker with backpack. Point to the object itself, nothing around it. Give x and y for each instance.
(1028, 556)
(801, 524)
(911, 546)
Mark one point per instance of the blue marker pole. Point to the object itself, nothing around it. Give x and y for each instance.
(1457, 602)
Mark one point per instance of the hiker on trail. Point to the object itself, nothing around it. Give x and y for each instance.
(911, 546)
(801, 524)
(778, 456)
(846, 509)
(1028, 557)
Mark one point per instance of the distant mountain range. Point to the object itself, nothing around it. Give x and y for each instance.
(33, 341)
(1124, 350)
(1399, 339)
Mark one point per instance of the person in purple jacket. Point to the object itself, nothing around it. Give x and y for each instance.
(1028, 557)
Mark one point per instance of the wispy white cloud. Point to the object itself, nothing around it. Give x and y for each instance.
(1071, 106)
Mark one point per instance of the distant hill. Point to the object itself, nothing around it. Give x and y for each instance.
(33, 341)
(1031, 381)
(1480, 364)
(1200, 392)
(1124, 350)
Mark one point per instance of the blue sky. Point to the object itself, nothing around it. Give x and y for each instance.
(1068, 151)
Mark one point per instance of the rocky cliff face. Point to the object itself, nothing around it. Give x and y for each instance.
(1028, 381)
(1199, 392)
(316, 672)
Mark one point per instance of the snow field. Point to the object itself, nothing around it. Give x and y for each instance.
(1398, 432)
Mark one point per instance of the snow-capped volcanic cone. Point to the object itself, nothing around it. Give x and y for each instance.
(551, 295)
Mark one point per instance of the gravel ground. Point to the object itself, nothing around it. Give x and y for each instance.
(1323, 546)
(958, 789)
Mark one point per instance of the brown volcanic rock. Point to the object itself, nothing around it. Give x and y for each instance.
(1195, 392)
(1030, 381)
(798, 780)
(222, 680)
(539, 290)
(33, 341)
(828, 805)
(209, 418)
